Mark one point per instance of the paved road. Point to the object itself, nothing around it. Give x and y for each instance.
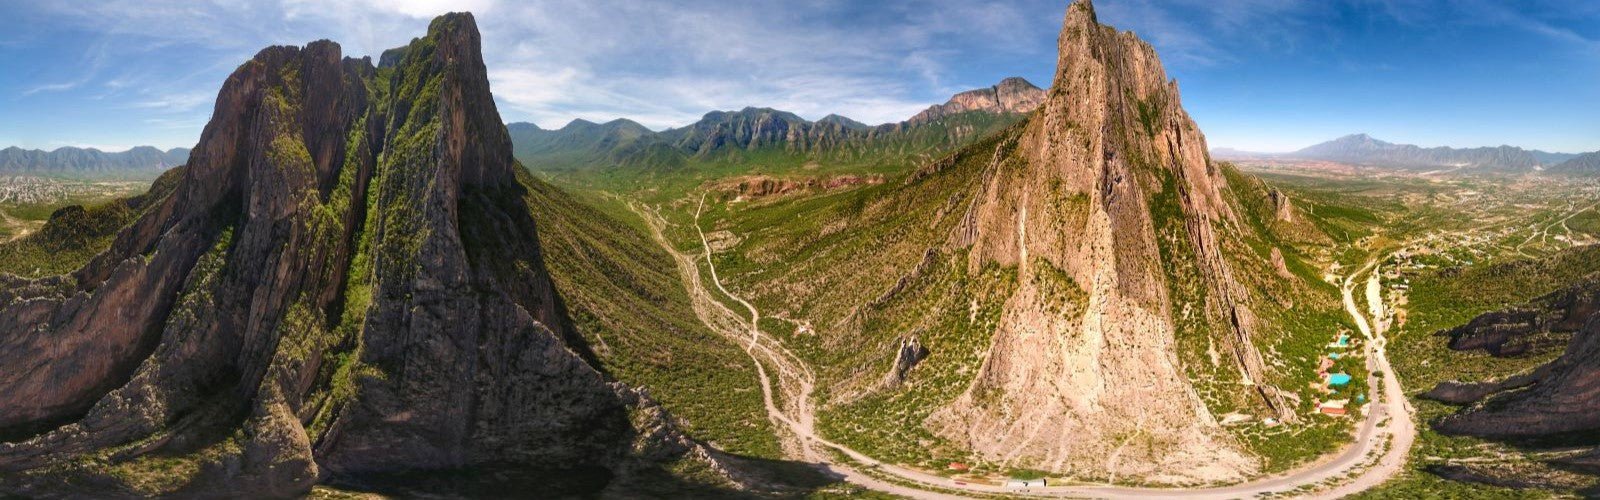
(1367, 459)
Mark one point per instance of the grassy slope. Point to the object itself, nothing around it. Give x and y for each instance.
(625, 296)
(1297, 317)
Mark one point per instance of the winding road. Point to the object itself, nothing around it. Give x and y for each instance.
(1377, 455)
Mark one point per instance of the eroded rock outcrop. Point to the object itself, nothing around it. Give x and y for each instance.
(1108, 188)
(345, 282)
(1562, 396)
(1555, 405)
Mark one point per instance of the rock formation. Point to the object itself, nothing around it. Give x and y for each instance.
(1011, 95)
(1282, 207)
(906, 357)
(346, 282)
(1560, 397)
(1109, 185)
(1555, 405)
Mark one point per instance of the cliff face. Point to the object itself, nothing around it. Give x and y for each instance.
(345, 282)
(1107, 187)
(1557, 405)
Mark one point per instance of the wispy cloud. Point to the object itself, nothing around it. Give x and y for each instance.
(177, 102)
(1214, 32)
(56, 87)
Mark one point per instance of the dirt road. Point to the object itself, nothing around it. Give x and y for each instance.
(1378, 453)
(21, 228)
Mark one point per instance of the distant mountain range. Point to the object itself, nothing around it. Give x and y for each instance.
(143, 162)
(1587, 165)
(775, 135)
(1366, 150)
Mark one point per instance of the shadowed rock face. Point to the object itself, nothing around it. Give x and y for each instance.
(1557, 403)
(1560, 397)
(346, 281)
(1108, 182)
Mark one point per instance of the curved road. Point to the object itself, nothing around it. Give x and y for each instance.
(1378, 453)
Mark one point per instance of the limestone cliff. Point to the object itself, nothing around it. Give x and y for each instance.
(1109, 186)
(345, 283)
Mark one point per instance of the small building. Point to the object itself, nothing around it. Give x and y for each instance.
(1339, 379)
(1025, 483)
(958, 466)
(1335, 407)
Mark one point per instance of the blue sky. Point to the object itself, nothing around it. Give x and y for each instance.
(1266, 75)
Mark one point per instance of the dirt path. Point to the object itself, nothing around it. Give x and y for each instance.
(23, 228)
(1377, 455)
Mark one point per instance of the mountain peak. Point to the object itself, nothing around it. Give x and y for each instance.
(384, 221)
(1080, 15)
(842, 121)
(1113, 134)
(1011, 95)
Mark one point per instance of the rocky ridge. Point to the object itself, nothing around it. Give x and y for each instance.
(735, 135)
(1560, 399)
(1584, 165)
(1011, 95)
(345, 283)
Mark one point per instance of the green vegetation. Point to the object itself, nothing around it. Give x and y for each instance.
(650, 167)
(1449, 297)
(74, 234)
(887, 423)
(628, 301)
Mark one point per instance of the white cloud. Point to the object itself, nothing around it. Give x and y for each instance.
(663, 63)
(55, 87)
(427, 9)
(179, 102)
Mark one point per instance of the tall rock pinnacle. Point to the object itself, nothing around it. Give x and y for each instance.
(1109, 182)
(345, 281)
